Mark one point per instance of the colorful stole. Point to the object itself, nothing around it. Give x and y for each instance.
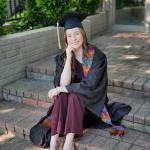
(105, 117)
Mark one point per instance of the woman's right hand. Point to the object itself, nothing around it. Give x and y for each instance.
(53, 92)
(69, 51)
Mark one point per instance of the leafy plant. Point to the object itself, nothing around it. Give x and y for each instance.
(88, 6)
(41, 13)
(3, 12)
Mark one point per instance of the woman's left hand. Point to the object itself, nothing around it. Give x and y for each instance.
(53, 92)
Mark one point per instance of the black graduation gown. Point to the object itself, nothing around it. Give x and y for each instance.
(92, 90)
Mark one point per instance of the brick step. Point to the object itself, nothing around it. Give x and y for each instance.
(29, 91)
(34, 92)
(129, 92)
(17, 143)
(44, 70)
(17, 119)
(133, 85)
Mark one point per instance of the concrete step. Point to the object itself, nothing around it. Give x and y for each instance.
(34, 92)
(118, 81)
(17, 119)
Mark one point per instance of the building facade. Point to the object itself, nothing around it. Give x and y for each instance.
(110, 7)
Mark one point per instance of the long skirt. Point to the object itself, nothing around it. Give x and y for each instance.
(67, 115)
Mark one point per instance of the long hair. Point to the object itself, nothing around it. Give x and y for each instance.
(84, 46)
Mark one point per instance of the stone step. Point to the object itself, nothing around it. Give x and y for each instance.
(118, 81)
(17, 119)
(34, 92)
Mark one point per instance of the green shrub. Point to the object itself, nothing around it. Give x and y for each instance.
(3, 12)
(88, 6)
(41, 13)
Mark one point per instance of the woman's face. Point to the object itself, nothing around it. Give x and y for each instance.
(74, 38)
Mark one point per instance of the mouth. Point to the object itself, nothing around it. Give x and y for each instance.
(75, 43)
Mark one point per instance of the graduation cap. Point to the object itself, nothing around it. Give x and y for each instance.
(69, 21)
(72, 20)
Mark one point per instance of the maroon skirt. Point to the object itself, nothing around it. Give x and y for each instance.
(67, 115)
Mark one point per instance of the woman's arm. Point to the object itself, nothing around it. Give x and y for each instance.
(65, 78)
(63, 74)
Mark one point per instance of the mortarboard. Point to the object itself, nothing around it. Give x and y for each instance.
(70, 20)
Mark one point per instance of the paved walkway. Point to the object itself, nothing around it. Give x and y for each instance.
(128, 53)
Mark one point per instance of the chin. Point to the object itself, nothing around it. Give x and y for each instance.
(75, 47)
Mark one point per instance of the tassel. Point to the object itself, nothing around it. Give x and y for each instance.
(58, 36)
(117, 130)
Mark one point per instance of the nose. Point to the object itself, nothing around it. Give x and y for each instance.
(73, 38)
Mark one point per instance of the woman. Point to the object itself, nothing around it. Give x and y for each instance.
(80, 88)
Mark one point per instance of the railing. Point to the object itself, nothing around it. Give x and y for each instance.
(15, 8)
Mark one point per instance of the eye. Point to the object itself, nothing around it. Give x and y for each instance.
(77, 33)
(68, 35)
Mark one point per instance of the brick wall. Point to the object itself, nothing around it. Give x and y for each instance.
(98, 23)
(19, 49)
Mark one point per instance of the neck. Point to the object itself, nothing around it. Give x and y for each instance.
(78, 54)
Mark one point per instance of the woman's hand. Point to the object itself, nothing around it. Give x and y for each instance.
(69, 51)
(56, 91)
(53, 92)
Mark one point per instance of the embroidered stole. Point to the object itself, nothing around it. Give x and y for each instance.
(87, 63)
